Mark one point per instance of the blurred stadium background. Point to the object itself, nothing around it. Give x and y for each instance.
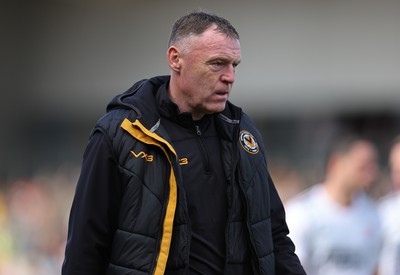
(310, 68)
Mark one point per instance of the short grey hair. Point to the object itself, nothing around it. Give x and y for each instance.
(197, 22)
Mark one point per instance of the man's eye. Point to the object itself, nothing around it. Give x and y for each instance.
(217, 65)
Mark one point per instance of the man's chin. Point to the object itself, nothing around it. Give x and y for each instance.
(217, 108)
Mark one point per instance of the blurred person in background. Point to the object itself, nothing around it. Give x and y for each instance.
(335, 224)
(174, 178)
(389, 208)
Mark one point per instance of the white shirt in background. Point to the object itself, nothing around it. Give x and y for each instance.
(332, 239)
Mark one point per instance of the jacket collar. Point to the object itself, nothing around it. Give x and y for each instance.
(149, 99)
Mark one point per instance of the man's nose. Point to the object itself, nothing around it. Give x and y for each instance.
(229, 74)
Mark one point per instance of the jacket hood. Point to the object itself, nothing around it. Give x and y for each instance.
(141, 98)
(142, 91)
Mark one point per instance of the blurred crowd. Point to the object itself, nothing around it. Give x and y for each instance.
(33, 222)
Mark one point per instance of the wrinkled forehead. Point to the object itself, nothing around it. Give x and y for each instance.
(211, 42)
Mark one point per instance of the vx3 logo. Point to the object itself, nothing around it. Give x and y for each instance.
(143, 155)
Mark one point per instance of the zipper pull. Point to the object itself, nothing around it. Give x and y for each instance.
(198, 130)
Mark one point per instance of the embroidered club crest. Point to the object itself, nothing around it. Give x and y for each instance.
(248, 142)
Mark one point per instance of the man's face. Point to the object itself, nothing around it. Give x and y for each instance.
(207, 72)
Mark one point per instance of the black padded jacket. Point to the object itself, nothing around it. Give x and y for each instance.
(150, 233)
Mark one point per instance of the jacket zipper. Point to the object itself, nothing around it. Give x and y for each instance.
(160, 236)
(203, 150)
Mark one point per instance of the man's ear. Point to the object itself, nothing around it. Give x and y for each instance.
(173, 57)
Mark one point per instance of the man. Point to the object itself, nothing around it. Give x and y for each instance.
(389, 206)
(335, 225)
(174, 178)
